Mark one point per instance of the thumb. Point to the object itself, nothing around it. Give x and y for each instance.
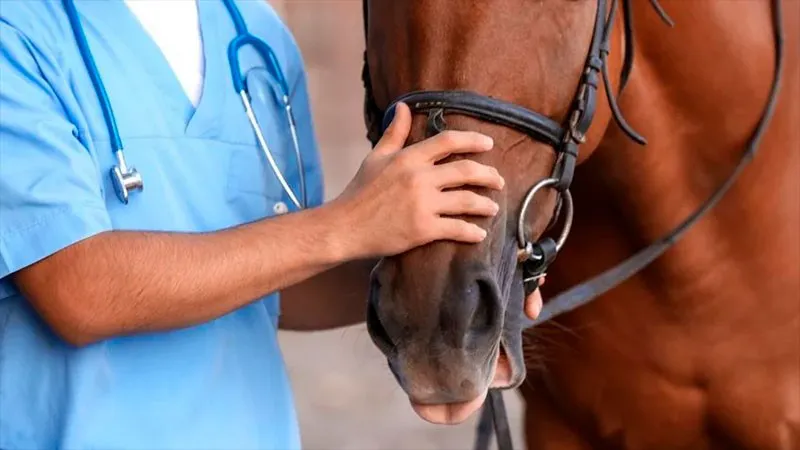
(533, 304)
(394, 138)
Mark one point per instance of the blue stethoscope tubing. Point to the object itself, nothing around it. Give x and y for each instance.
(127, 179)
(243, 38)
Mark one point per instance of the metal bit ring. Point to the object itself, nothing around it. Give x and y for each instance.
(522, 240)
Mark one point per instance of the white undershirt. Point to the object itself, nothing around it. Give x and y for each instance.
(175, 27)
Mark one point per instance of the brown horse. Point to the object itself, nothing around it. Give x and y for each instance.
(700, 349)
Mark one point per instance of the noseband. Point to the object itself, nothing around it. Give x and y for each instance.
(534, 257)
(565, 138)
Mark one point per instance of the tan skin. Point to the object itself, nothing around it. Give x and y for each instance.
(175, 280)
(702, 349)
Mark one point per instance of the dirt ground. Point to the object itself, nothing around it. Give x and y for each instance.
(345, 394)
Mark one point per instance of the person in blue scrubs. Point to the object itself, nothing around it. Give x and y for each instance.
(152, 325)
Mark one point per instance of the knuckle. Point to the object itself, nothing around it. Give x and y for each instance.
(459, 168)
(485, 204)
(474, 200)
(475, 168)
(465, 167)
(477, 202)
(449, 138)
(462, 229)
(461, 201)
(489, 171)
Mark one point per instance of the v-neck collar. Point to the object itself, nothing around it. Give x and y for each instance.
(214, 86)
(194, 121)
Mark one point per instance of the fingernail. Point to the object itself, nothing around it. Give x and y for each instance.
(487, 143)
(496, 208)
(482, 233)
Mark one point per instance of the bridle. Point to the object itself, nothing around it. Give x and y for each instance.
(534, 257)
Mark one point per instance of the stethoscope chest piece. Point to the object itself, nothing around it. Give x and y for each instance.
(126, 181)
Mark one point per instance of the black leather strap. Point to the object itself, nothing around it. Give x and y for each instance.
(630, 51)
(613, 277)
(484, 108)
(500, 419)
(485, 429)
(565, 140)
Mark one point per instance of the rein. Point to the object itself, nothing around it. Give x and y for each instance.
(534, 257)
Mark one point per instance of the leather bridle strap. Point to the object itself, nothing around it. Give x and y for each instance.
(589, 290)
(565, 140)
(585, 292)
(487, 109)
(494, 409)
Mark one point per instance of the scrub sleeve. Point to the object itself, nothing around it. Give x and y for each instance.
(50, 193)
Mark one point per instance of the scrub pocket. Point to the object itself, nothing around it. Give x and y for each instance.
(253, 188)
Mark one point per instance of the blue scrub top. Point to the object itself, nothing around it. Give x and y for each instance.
(220, 385)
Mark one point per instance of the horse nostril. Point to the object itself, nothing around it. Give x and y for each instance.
(375, 328)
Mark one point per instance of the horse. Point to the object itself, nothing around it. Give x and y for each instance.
(667, 131)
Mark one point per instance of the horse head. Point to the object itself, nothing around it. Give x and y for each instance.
(446, 315)
(530, 73)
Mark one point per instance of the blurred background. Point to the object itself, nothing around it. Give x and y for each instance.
(345, 395)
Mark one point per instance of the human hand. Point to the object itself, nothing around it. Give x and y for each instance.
(397, 200)
(534, 303)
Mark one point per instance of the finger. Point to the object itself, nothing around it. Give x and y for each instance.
(459, 230)
(451, 142)
(394, 138)
(456, 203)
(533, 304)
(468, 172)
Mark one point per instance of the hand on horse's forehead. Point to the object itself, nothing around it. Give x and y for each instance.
(533, 303)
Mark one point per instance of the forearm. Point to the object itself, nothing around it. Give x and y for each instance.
(334, 298)
(120, 283)
(123, 282)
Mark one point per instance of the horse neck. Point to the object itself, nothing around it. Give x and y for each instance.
(696, 93)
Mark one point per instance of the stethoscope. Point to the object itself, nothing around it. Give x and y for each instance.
(127, 179)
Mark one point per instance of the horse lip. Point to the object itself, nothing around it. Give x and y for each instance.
(517, 374)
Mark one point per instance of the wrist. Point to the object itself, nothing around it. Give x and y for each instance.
(339, 239)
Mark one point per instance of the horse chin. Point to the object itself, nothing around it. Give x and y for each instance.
(503, 377)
